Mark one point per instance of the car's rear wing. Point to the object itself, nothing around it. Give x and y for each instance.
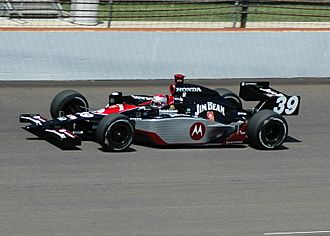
(269, 98)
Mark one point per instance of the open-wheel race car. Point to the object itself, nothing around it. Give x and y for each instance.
(190, 115)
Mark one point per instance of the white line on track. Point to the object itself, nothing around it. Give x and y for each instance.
(296, 233)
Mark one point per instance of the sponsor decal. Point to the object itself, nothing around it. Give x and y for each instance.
(188, 89)
(271, 92)
(101, 111)
(248, 83)
(62, 136)
(197, 131)
(66, 132)
(62, 118)
(39, 118)
(37, 122)
(141, 97)
(209, 106)
(121, 107)
(72, 117)
(86, 115)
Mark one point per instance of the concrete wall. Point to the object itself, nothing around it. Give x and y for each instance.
(158, 55)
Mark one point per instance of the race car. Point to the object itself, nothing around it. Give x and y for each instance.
(190, 115)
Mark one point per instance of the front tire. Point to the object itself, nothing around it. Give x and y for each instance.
(68, 102)
(115, 133)
(267, 130)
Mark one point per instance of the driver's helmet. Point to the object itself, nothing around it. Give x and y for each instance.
(158, 101)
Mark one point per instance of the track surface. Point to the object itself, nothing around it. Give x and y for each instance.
(231, 191)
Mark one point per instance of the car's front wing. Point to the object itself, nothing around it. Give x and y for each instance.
(48, 130)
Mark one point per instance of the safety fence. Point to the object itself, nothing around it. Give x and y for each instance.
(192, 14)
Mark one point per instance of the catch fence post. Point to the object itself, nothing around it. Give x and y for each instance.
(244, 13)
(110, 13)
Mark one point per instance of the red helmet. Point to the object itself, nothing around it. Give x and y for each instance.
(159, 100)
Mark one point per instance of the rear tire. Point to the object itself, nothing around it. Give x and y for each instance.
(267, 130)
(231, 97)
(115, 133)
(68, 102)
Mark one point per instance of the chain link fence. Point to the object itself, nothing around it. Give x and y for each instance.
(193, 14)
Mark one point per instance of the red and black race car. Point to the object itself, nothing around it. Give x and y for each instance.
(191, 115)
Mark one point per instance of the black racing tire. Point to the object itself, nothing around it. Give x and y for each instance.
(115, 133)
(267, 130)
(231, 97)
(68, 102)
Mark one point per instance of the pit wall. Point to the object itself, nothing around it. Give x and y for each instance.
(158, 55)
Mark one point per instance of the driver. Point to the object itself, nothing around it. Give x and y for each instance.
(159, 101)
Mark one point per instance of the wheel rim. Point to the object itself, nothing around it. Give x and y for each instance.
(119, 135)
(273, 133)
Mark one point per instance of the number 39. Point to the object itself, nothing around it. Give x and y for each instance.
(286, 105)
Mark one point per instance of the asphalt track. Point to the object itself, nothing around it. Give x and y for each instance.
(230, 191)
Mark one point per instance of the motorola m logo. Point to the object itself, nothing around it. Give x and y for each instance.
(197, 131)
